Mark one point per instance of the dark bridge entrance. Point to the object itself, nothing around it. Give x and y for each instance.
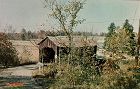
(48, 55)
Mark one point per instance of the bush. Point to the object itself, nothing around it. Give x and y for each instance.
(8, 54)
(118, 80)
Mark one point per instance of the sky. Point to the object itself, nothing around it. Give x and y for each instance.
(31, 14)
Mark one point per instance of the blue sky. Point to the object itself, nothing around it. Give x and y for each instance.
(30, 14)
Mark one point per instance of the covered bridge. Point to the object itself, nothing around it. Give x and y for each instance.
(49, 48)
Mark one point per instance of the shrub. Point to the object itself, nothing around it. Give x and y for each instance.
(8, 54)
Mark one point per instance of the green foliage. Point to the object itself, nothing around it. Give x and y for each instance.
(8, 54)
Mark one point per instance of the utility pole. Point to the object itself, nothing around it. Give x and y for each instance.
(138, 47)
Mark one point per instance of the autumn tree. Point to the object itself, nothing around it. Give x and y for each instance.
(118, 41)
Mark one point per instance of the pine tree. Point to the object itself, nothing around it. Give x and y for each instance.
(111, 29)
(132, 42)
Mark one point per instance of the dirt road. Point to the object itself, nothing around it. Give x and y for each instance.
(25, 70)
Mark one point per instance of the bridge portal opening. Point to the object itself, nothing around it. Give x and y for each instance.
(48, 55)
